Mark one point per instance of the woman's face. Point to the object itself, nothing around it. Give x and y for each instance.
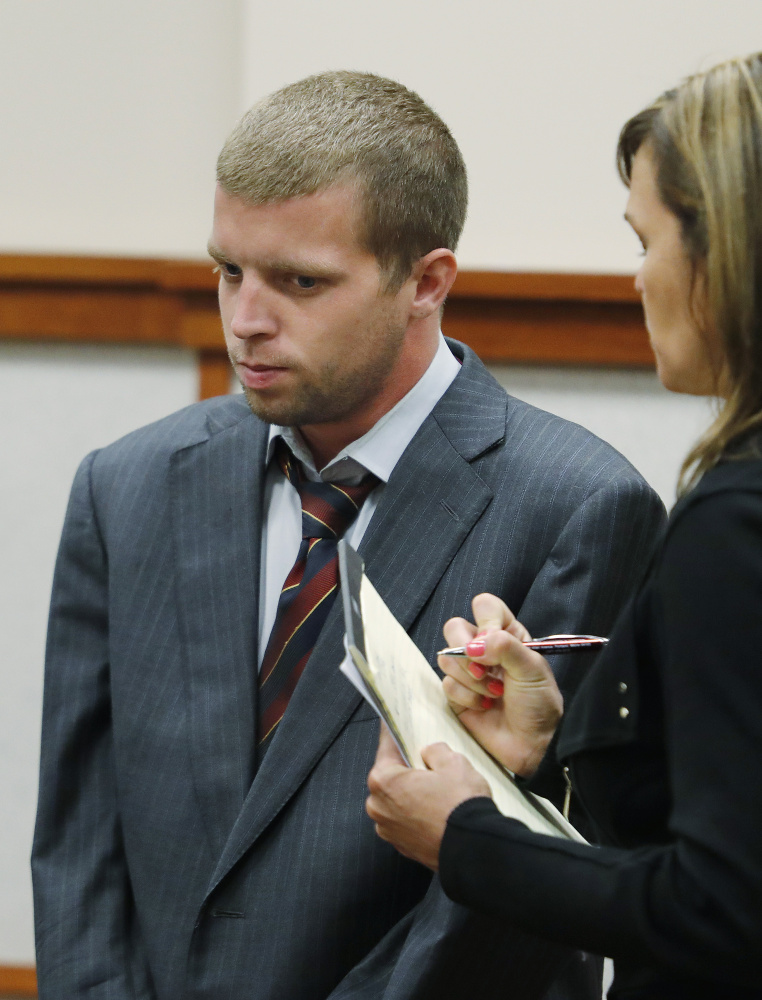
(688, 358)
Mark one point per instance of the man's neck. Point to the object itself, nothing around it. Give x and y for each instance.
(380, 448)
(326, 440)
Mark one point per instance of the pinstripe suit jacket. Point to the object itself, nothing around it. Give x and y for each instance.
(160, 869)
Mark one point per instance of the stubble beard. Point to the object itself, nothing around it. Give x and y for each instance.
(340, 391)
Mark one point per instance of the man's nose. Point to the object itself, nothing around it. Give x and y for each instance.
(254, 313)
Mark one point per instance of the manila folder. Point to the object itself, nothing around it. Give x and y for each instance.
(393, 675)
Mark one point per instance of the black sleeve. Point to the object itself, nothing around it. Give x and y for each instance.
(693, 906)
(596, 563)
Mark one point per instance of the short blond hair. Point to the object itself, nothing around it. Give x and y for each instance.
(706, 137)
(346, 127)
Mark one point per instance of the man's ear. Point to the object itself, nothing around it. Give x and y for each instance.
(433, 275)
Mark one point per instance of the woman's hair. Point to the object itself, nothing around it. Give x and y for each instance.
(706, 138)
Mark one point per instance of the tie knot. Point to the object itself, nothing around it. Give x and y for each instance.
(328, 509)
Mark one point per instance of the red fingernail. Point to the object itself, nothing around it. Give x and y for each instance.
(495, 687)
(477, 647)
(487, 702)
(477, 670)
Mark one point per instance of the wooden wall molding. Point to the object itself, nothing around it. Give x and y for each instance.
(17, 981)
(566, 319)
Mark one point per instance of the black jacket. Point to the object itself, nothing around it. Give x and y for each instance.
(664, 743)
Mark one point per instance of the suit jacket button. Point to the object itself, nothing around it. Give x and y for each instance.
(622, 687)
(624, 712)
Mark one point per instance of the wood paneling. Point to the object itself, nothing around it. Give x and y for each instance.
(214, 374)
(17, 981)
(534, 286)
(107, 300)
(552, 333)
(568, 319)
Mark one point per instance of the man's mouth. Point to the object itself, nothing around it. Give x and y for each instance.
(258, 375)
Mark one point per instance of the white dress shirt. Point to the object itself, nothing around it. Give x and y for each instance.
(377, 451)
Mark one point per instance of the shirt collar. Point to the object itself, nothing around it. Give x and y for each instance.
(380, 448)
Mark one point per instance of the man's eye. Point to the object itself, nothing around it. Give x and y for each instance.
(304, 281)
(230, 272)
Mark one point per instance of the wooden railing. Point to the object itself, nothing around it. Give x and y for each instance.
(568, 319)
(17, 981)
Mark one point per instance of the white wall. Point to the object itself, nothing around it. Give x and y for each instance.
(111, 120)
(535, 94)
(114, 113)
(56, 405)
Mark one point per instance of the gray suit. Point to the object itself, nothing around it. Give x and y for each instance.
(160, 870)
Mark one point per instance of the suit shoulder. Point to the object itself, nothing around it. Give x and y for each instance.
(512, 440)
(141, 459)
(479, 416)
(182, 428)
(552, 446)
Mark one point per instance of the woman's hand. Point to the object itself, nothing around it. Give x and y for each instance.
(504, 693)
(410, 806)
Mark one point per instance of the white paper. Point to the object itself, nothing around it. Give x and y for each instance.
(411, 697)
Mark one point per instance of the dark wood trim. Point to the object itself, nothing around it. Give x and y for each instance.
(197, 276)
(19, 981)
(146, 272)
(214, 374)
(535, 286)
(546, 332)
(567, 319)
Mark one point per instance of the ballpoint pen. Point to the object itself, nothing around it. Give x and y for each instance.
(545, 644)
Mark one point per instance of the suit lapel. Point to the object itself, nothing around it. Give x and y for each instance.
(217, 498)
(435, 495)
(431, 502)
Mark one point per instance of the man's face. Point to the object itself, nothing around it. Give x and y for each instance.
(312, 335)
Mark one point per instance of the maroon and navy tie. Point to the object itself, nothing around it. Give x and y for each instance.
(309, 590)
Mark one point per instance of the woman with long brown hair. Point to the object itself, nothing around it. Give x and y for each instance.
(663, 741)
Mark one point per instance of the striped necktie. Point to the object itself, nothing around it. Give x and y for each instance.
(309, 590)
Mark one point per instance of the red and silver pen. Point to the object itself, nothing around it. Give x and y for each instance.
(546, 644)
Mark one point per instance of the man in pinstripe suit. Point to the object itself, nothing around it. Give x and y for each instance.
(167, 865)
